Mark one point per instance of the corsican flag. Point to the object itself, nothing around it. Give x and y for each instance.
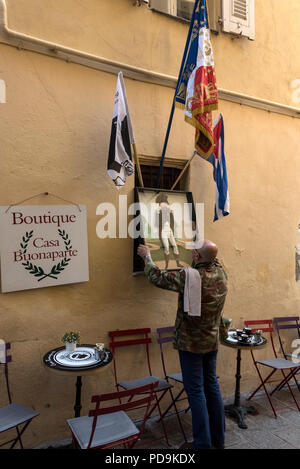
(119, 164)
(217, 159)
(197, 90)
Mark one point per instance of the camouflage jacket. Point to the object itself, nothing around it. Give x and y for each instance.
(195, 334)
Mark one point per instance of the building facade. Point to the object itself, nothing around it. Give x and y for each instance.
(56, 103)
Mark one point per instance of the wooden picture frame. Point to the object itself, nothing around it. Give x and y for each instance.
(167, 225)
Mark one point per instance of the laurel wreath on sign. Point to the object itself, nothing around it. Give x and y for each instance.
(39, 271)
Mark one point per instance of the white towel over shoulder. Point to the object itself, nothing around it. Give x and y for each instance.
(192, 292)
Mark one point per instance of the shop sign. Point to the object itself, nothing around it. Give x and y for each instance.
(43, 246)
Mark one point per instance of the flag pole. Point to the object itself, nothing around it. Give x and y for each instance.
(184, 170)
(138, 167)
(176, 90)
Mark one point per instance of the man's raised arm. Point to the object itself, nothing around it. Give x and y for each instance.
(173, 280)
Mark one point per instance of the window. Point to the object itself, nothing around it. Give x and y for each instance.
(236, 16)
(150, 174)
(239, 17)
(183, 10)
(164, 6)
(172, 169)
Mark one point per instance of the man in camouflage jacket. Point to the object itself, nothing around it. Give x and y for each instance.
(196, 339)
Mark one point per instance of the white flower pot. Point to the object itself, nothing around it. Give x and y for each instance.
(70, 347)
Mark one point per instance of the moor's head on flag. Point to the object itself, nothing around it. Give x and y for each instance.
(119, 164)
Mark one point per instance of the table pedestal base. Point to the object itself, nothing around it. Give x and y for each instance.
(236, 409)
(77, 406)
(239, 412)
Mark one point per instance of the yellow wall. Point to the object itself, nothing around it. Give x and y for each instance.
(55, 130)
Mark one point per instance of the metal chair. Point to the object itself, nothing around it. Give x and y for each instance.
(280, 323)
(13, 415)
(114, 427)
(162, 387)
(276, 364)
(165, 335)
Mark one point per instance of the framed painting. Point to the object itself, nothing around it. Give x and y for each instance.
(167, 224)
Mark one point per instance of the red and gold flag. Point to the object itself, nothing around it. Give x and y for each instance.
(198, 91)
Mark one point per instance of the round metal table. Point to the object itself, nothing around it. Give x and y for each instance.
(82, 361)
(236, 410)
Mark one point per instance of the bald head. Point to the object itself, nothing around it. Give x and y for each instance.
(206, 253)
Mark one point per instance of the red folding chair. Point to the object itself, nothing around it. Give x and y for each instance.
(276, 364)
(143, 339)
(111, 426)
(287, 323)
(165, 335)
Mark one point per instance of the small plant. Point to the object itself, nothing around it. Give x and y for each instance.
(71, 337)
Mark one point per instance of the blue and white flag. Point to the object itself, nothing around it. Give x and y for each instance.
(119, 164)
(217, 159)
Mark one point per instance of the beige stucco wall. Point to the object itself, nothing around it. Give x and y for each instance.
(55, 130)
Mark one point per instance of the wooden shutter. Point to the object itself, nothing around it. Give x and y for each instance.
(215, 14)
(185, 9)
(239, 17)
(165, 6)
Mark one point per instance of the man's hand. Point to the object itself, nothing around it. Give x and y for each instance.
(143, 250)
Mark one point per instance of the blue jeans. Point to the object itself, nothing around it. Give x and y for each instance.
(204, 396)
